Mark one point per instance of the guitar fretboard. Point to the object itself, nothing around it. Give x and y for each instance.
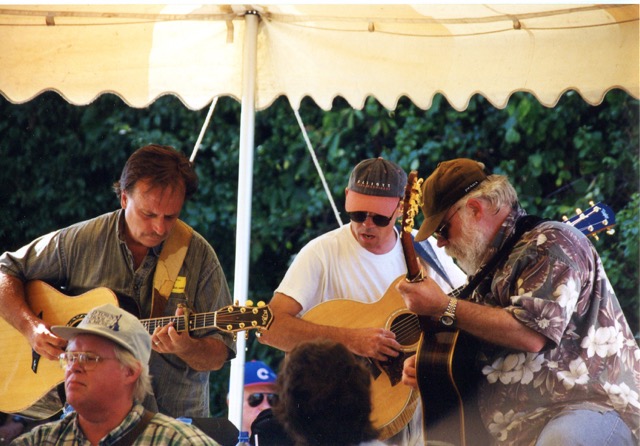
(230, 319)
(196, 321)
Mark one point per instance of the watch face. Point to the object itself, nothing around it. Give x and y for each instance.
(446, 320)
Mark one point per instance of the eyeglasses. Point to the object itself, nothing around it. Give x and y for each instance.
(443, 230)
(377, 219)
(88, 361)
(255, 399)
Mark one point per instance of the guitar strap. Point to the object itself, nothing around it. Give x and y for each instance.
(523, 224)
(426, 252)
(170, 261)
(130, 437)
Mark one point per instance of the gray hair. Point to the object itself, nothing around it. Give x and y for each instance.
(143, 384)
(495, 190)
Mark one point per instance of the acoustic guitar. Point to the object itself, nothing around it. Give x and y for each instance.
(28, 383)
(443, 364)
(393, 403)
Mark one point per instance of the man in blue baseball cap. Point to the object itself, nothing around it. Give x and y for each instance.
(259, 391)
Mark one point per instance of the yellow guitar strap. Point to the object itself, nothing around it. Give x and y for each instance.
(169, 263)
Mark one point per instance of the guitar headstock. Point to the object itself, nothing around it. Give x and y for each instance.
(234, 318)
(411, 207)
(599, 217)
(412, 195)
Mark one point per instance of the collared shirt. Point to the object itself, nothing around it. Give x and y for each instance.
(94, 254)
(554, 283)
(161, 430)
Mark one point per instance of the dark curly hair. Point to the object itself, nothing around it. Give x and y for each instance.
(325, 396)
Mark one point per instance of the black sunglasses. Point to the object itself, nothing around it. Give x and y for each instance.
(361, 216)
(255, 399)
(443, 230)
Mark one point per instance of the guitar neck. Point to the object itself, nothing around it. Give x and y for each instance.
(410, 210)
(231, 318)
(195, 322)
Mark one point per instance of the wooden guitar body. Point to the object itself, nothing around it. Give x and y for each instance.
(448, 381)
(28, 382)
(393, 403)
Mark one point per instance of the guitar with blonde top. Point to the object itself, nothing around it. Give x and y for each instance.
(28, 382)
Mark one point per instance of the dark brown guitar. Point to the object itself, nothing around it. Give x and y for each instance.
(446, 376)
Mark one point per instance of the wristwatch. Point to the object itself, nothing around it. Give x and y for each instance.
(449, 316)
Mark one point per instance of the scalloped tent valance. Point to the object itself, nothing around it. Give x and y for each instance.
(141, 52)
(199, 53)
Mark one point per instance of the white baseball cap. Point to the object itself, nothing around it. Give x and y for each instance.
(115, 324)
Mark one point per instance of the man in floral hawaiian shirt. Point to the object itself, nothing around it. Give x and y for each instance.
(559, 362)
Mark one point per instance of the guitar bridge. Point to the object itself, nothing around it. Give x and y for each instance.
(35, 360)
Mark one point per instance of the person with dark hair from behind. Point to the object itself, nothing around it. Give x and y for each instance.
(122, 250)
(106, 377)
(325, 396)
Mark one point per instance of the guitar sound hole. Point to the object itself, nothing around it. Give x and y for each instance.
(406, 326)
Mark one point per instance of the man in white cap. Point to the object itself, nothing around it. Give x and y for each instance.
(357, 262)
(106, 379)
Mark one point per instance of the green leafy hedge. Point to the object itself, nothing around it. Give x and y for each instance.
(59, 161)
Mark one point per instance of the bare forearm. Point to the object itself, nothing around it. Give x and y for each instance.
(206, 354)
(13, 307)
(287, 331)
(494, 325)
(497, 326)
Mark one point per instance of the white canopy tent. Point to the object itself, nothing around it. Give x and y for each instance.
(141, 52)
(257, 53)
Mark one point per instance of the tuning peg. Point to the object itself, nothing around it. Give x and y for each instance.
(565, 218)
(246, 335)
(611, 231)
(591, 203)
(578, 211)
(249, 303)
(261, 304)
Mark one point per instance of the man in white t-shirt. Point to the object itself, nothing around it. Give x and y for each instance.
(357, 262)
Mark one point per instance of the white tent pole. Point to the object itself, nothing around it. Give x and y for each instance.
(243, 223)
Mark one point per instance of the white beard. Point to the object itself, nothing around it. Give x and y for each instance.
(470, 250)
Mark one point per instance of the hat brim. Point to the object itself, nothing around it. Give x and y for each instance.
(68, 332)
(261, 383)
(429, 225)
(375, 204)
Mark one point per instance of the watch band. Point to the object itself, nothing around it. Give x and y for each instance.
(449, 315)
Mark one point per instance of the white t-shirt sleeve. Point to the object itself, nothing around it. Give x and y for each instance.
(304, 279)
